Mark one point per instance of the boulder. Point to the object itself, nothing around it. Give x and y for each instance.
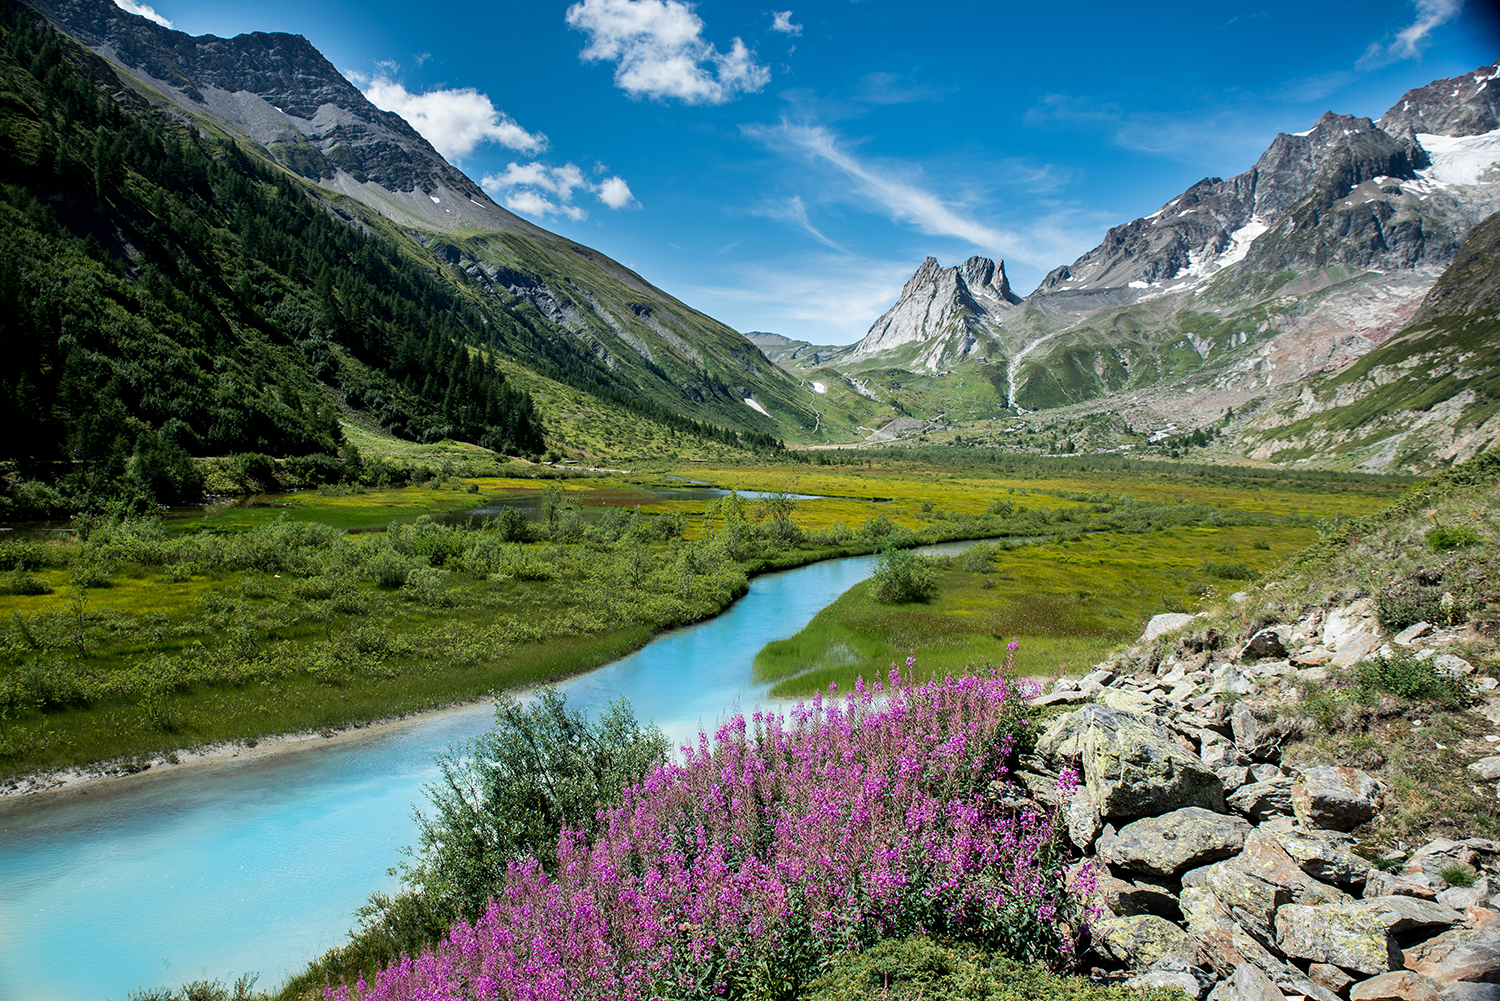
(1082, 817)
(1218, 751)
(1253, 739)
(1331, 977)
(1250, 900)
(1404, 914)
(1175, 842)
(1335, 797)
(1139, 940)
(1132, 770)
(1265, 644)
(1345, 935)
(1451, 665)
(1247, 983)
(1167, 622)
(1398, 985)
(1461, 898)
(1262, 800)
(1460, 955)
(1127, 701)
(1170, 971)
(1266, 859)
(1410, 634)
(1325, 856)
(1360, 646)
(1341, 625)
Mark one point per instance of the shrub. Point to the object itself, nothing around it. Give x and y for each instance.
(1406, 677)
(1230, 571)
(509, 794)
(773, 848)
(1458, 874)
(22, 581)
(902, 576)
(1440, 539)
(425, 584)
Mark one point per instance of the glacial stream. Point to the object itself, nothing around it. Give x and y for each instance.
(210, 871)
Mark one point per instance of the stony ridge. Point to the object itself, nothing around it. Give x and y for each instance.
(951, 306)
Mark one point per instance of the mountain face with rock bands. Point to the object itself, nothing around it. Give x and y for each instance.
(1242, 295)
(278, 93)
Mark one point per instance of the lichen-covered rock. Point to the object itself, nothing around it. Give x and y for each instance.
(1081, 814)
(1335, 797)
(1398, 985)
(1175, 842)
(1265, 858)
(1250, 983)
(1266, 643)
(1170, 971)
(1166, 622)
(1262, 800)
(1132, 770)
(1249, 900)
(1345, 935)
(1460, 955)
(1402, 914)
(1325, 856)
(1141, 939)
(1329, 976)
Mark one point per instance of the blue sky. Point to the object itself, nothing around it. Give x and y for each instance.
(787, 169)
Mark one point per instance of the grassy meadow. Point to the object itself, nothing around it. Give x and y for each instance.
(324, 608)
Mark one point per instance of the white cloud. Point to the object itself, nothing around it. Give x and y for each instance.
(1411, 40)
(792, 210)
(454, 121)
(131, 7)
(781, 20)
(615, 193)
(539, 189)
(903, 201)
(659, 51)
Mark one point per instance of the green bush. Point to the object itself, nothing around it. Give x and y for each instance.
(22, 581)
(1230, 571)
(1441, 540)
(1407, 677)
(902, 576)
(509, 793)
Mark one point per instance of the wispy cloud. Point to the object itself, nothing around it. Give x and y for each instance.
(1249, 16)
(900, 199)
(1219, 133)
(781, 20)
(1411, 40)
(131, 7)
(540, 189)
(793, 211)
(455, 121)
(659, 51)
(825, 298)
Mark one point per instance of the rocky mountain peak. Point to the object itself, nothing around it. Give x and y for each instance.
(938, 303)
(1467, 105)
(279, 91)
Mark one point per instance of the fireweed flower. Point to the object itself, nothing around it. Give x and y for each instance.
(784, 837)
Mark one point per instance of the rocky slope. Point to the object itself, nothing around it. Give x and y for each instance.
(277, 94)
(1238, 291)
(1292, 794)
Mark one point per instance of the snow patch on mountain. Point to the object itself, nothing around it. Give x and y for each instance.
(750, 402)
(1460, 159)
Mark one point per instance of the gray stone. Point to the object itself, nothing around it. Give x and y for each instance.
(1404, 914)
(1233, 777)
(1172, 844)
(1129, 702)
(1250, 900)
(1218, 751)
(1141, 939)
(1064, 697)
(1452, 665)
(1250, 983)
(1170, 971)
(1167, 622)
(1134, 768)
(1265, 773)
(1345, 935)
(1398, 985)
(1385, 884)
(1082, 816)
(1342, 624)
(1261, 800)
(1265, 858)
(1232, 680)
(1461, 898)
(1460, 955)
(1103, 676)
(1250, 736)
(1330, 977)
(1336, 798)
(1360, 646)
(1325, 856)
(1411, 632)
(1225, 946)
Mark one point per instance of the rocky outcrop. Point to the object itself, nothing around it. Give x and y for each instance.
(950, 307)
(1259, 890)
(1466, 105)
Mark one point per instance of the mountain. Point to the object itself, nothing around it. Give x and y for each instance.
(1237, 295)
(270, 110)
